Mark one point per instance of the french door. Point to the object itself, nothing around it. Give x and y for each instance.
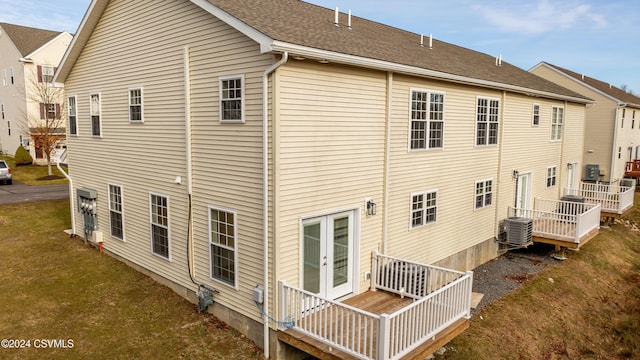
(523, 193)
(328, 255)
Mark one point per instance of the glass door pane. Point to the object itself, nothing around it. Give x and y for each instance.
(340, 251)
(312, 256)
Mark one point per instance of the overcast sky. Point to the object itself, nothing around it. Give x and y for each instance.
(598, 38)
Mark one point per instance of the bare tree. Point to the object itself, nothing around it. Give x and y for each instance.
(46, 128)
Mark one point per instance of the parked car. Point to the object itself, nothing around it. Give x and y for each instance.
(5, 172)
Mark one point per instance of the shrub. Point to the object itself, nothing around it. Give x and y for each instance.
(22, 157)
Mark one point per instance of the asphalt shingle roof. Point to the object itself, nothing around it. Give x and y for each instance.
(28, 39)
(604, 87)
(300, 23)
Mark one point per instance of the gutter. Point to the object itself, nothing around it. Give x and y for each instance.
(387, 66)
(265, 192)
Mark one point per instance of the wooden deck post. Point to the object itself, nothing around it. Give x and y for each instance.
(384, 337)
(374, 270)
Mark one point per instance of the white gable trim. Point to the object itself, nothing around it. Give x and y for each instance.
(255, 35)
(64, 33)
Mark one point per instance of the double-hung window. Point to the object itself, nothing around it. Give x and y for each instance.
(551, 176)
(484, 193)
(116, 217)
(47, 73)
(424, 208)
(232, 99)
(135, 105)
(487, 116)
(96, 124)
(159, 208)
(535, 121)
(2, 110)
(73, 115)
(11, 76)
(557, 123)
(427, 120)
(223, 241)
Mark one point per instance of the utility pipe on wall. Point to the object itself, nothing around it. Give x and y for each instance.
(73, 217)
(265, 191)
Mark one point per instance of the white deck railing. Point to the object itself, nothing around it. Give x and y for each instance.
(442, 298)
(561, 220)
(613, 198)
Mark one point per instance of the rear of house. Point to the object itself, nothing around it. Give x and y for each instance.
(228, 152)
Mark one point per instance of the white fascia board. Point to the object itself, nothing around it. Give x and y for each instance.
(262, 39)
(412, 70)
(578, 81)
(64, 33)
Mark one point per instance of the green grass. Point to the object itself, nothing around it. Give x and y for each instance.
(31, 174)
(55, 287)
(591, 310)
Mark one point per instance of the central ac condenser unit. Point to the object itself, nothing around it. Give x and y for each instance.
(519, 230)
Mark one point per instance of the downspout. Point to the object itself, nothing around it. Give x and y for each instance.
(563, 162)
(188, 149)
(387, 157)
(265, 192)
(614, 142)
(73, 217)
(499, 172)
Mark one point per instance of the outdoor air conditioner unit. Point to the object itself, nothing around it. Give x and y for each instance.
(592, 173)
(573, 198)
(410, 277)
(628, 182)
(519, 230)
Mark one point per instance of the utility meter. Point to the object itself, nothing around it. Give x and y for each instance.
(88, 206)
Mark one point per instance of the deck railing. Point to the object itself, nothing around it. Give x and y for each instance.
(613, 198)
(561, 220)
(442, 298)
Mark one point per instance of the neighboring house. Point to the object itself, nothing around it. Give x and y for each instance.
(28, 60)
(259, 148)
(612, 132)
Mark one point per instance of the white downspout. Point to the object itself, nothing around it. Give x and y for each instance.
(614, 146)
(73, 217)
(387, 159)
(265, 192)
(188, 147)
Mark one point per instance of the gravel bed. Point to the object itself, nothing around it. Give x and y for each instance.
(509, 271)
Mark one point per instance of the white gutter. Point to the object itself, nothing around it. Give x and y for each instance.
(387, 66)
(71, 202)
(265, 192)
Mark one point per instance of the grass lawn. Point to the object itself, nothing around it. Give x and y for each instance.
(589, 310)
(54, 287)
(32, 174)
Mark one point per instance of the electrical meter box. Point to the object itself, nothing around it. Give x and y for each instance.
(88, 206)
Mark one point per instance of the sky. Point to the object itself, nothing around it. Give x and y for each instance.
(592, 37)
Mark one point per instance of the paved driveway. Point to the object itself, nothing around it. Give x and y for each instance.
(19, 193)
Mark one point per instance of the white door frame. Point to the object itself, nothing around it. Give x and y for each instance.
(328, 256)
(523, 195)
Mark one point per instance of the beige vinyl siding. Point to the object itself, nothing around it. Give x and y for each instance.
(124, 51)
(453, 171)
(599, 121)
(329, 154)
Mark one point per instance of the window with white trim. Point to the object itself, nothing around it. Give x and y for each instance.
(484, 193)
(223, 245)
(424, 208)
(2, 110)
(427, 120)
(135, 105)
(624, 113)
(535, 121)
(487, 121)
(47, 73)
(116, 214)
(552, 172)
(4, 77)
(159, 209)
(633, 119)
(232, 99)
(557, 123)
(96, 124)
(11, 76)
(73, 115)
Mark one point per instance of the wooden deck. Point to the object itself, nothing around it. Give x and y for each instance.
(376, 302)
(559, 242)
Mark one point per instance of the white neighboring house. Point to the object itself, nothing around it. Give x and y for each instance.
(29, 57)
